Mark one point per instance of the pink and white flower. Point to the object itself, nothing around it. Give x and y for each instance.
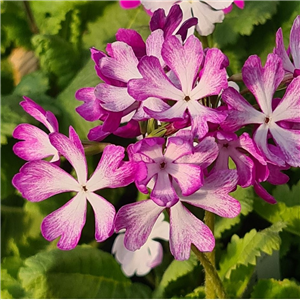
(39, 180)
(150, 255)
(188, 85)
(263, 82)
(208, 12)
(294, 49)
(185, 229)
(36, 144)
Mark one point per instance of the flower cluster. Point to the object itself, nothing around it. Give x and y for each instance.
(173, 96)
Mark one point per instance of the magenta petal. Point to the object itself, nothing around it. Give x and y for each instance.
(39, 180)
(281, 52)
(295, 42)
(263, 81)
(262, 193)
(111, 170)
(36, 111)
(97, 134)
(90, 110)
(114, 98)
(128, 4)
(213, 195)
(138, 219)
(183, 60)
(163, 193)
(72, 149)
(66, 222)
(186, 230)
(154, 83)
(104, 216)
(133, 39)
(36, 144)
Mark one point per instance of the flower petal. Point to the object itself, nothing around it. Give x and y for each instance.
(39, 180)
(213, 195)
(281, 52)
(263, 81)
(72, 149)
(288, 108)
(183, 60)
(104, 216)
(154, 45)
(122, 65)
(186, 230)
(45, 117)
(113, 98)
(138, 219)
(66, 222)
(154, 83)
(111, 170)
(36, 144)
(90, 110)
(295, 42)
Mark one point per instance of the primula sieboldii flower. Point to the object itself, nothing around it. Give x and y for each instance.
(35, 144)
(190, 86)
(185, 229)
(163, 166)
(294, 49)
(150, 255)
(39, 180)
(208, 12)
(263, 82)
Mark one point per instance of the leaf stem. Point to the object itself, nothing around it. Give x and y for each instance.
(215, 280)
(33, 26)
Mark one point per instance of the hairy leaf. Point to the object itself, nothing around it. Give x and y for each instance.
(84, 272)
(244, 251)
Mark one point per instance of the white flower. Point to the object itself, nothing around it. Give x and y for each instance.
(150, 255)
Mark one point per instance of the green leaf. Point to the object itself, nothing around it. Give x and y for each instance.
(242, 22)
(198, 293)
(57, 57)
(236, 285)
(10, 287)
(287, 209)
(244, 251)
(245, 197)
(273, 289)
(84, 272)
(176, 270)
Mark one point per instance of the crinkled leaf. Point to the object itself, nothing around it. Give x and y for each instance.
(84, 272)
(275, 289)
(287, 209)
(175, 271)
(242, 22)
(198, 293)
(245, 197)
(244, 251)
(57, 57)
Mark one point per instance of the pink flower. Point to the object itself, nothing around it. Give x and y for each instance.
(185, 229)
(186, 85)
(39, 180)
(294, 47)
(150, 255)
(263, 82)
(164, 168)
(35, 144)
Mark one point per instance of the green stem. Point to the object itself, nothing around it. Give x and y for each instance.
(209, 220)
(210, 269)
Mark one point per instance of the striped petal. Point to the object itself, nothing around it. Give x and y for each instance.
(66, 222)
